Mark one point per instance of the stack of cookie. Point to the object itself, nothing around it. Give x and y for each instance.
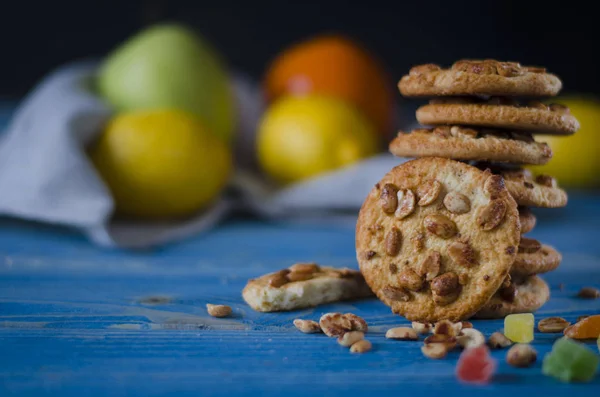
(441, 237)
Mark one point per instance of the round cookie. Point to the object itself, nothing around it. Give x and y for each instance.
(527, 220)
(534, 258)
(531, 294)
(527, 190)
(554, 119)
(479, 77)
(435, 238)
(461, 143)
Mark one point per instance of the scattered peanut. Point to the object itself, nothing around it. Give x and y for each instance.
(350, 338)
(421, 328)
(401, 333)
(448, 341)
(434, 350)
(358, 323)
(521, 355)
(498, 341)
(335, 324)
(362, 346)
(446, 327)
(307, 326)
(553, 325)
(589, 293)
(470, 337)
(218, 310)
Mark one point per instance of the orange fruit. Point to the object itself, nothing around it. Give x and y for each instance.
(337, 66)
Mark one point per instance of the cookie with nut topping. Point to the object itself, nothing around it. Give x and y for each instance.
(523, 296)
(435, 238)
(527, 219)
(527, 189)
(495, 112)
(479, 77)
(304, 285)
(535, 258)
(464, 143)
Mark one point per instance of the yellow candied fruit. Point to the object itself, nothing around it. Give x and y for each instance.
(519, 327)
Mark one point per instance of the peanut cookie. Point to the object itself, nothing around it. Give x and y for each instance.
(527, 190)
(534, 258)
(435, 238)
(500, 113)
(304, 285)
(461, 143)
(479, 77)
(523, 296)
(527, 220)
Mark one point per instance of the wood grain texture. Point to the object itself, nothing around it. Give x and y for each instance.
(76, 320)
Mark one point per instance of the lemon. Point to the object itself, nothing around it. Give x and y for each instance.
(161, 163)
(576, 162)
(300, 137)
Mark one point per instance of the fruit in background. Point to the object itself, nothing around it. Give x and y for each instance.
(300, 137)
(167, 66)
(576, 162)
(334, 66)
(161, 163)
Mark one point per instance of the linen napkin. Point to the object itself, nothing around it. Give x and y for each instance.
(46, 176)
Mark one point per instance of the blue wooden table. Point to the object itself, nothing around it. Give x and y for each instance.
(78, 320)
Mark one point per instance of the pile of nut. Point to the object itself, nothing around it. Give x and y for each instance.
(442, 337)
(349, 329)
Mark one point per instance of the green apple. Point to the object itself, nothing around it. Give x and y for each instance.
(168, 66)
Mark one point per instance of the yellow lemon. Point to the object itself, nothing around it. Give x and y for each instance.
(161, 163)
(576, 162)
(300, 137)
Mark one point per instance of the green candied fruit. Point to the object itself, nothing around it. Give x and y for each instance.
(570, 361)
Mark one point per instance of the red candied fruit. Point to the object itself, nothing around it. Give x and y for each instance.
(476, 366)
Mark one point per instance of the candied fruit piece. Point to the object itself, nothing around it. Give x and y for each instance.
(587, 328)
(519, 327)
(570, 361)
(475, 365)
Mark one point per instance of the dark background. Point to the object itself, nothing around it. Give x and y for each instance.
(39, 36)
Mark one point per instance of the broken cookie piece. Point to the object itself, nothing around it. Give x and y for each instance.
(304, 286)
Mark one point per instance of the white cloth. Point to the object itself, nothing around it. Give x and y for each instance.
(45, 174)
